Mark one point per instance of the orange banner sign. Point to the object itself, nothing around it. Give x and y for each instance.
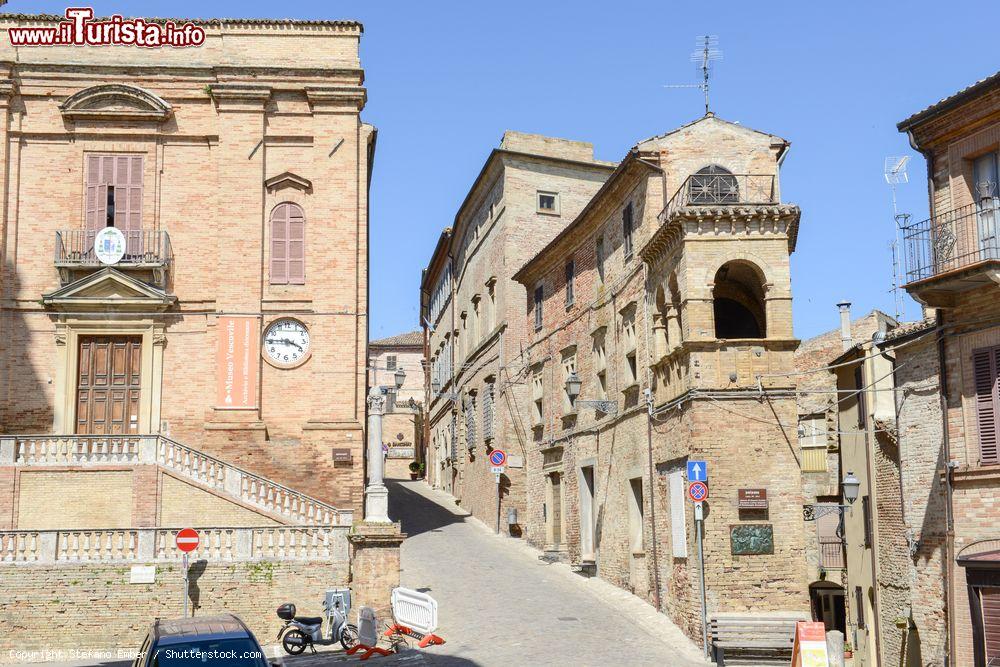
(237, 360)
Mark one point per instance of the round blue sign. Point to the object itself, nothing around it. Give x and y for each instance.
(498, 457)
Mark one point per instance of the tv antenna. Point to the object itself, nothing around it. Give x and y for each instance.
(894, 170)
(707, 52)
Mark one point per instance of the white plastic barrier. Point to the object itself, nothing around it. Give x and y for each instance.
(415, 610)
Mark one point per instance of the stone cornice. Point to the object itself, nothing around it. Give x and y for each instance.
(734, 221)
(240, 95)
(343, 97)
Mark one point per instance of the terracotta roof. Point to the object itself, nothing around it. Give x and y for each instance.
(409, 339)
(346, 23)
(910, 328)
(950, 101)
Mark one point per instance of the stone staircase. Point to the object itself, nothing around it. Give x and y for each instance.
(243, 486)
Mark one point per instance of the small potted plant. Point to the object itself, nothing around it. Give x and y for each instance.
(423, 470)
(414, 469)
(848, 651)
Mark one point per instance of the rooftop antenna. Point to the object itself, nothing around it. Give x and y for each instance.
(894, 170)
(707, 52)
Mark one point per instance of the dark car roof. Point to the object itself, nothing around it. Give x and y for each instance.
(222, 626)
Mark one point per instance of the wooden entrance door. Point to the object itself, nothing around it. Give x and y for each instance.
(108, 385)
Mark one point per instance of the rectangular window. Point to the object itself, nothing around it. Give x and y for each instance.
(113, 192)
(539, 294)
(537, 396)
(390, 362)
(630, 368)
(599, 256)
(627, 231)
(288, 245)
(859, 383)
(470, 422)
(548, 202)
(859, 602)
(636, 515)
(599, 361)
(488, 412)
(866, 515)
(986, 378)
(812, 441)
(678, 514)
(570, 275)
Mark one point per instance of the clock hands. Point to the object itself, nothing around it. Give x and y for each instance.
(287, 341)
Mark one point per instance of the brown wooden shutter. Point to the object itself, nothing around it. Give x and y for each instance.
(990, 598)
(279, 245)
(985, 363)
(296, 245)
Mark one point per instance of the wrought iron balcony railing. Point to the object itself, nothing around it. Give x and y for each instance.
(723, 190)
(952, 240)
(143, 247)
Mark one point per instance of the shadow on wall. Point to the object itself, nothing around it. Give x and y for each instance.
(25, 402)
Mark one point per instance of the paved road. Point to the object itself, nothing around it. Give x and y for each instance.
(499, 605)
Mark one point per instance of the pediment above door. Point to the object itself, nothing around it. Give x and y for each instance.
(108, 289)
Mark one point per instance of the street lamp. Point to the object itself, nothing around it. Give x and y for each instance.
(573, 386)
(400, 376)
(850, 484)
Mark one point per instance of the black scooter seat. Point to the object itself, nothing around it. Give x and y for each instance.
(309, 620)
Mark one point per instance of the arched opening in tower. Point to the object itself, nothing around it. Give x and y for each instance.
(738, 301)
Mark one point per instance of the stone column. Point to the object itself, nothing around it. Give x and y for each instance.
(673, 328)
(660, 341)
(376, 495)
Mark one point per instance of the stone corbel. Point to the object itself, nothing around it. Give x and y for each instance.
(336, 98)
(239, 96)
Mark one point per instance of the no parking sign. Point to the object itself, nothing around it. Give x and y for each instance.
(498, 457)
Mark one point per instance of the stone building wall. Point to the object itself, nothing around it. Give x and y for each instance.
(230, 127)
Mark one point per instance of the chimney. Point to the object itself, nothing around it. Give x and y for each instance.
(845, 324)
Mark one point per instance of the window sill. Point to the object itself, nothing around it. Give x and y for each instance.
(542, 211)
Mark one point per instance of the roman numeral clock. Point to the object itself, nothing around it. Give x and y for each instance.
(286, 343)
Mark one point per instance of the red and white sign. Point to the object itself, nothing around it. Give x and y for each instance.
(498, 457)
(698, 491)
(809, 649)
(187, 539)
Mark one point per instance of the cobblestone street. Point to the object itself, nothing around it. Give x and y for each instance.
(500, 605)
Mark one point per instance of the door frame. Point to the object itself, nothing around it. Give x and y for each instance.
(67, 337)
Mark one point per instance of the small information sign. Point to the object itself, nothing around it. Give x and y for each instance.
(752, 499)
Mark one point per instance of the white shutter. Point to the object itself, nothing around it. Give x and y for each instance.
(678, 526)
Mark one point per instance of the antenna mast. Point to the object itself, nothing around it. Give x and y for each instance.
(707, 53)
(894, 170)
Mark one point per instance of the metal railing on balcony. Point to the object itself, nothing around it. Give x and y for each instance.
(75, 247)
(952, 240)
(723, 190)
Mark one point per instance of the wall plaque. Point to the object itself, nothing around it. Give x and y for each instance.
(752, 539)
(343, 455)
(752, 499)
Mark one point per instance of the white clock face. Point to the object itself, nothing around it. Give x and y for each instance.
(286, 342)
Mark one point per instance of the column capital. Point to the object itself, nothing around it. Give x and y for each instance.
(376, 401)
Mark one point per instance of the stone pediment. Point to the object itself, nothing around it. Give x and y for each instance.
(288, 180)
(115, 101)
(108, 289)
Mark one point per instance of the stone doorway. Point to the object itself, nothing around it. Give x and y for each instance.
(108, 385)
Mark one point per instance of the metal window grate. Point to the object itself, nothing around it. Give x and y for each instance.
(488, 412)
(470, 422)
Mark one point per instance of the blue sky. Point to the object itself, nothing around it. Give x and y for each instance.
(445, 79)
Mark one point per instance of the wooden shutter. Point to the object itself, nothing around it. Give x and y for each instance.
(288, 245)
(122, 173)
(990, 598)
(985, 363)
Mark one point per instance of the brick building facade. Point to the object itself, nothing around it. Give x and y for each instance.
(669, 296)
(473, 313)
(403, 425)
(951, 474)
(237, 173)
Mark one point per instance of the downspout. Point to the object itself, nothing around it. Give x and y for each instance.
(949, 568)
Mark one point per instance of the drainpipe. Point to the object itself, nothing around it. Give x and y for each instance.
(949, 569)
(845, 324)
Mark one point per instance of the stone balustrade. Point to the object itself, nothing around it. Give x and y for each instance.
(283, 543)
(93, 450)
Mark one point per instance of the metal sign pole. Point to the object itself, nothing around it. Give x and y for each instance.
(699, 520)
(185, 585)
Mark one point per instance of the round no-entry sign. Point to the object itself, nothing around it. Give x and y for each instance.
(698, 491)
(498, 457)
(187, 539)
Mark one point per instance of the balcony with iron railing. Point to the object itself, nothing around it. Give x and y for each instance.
(721, 189)
(145, 249)
(952, 251)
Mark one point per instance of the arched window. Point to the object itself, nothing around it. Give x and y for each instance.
(738, 301)
(713, 185)
(288, 232)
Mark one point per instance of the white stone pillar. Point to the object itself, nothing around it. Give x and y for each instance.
(376, 495)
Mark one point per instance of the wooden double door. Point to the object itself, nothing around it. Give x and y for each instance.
(108, 385)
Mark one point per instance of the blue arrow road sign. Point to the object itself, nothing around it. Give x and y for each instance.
(697, 471)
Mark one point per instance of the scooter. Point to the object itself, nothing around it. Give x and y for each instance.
(300, 632)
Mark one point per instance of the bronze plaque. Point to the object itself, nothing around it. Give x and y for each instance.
(752, 539)
(342, 455)
(752, 499)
